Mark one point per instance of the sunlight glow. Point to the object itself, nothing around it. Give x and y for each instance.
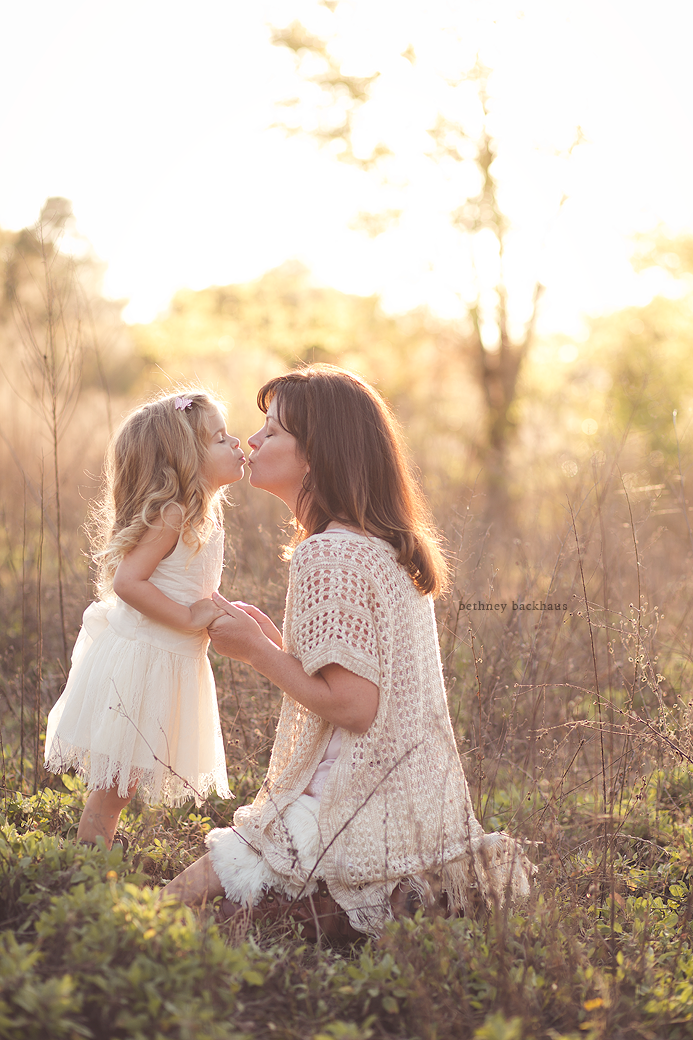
(155, 120)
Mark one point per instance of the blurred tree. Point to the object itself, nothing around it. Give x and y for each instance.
(58, 337)
(674, 254)
(645, 352)
(497, 355)
(237, 336)
(50, 284)
(496, 347)
(623, 394)
(337, 99)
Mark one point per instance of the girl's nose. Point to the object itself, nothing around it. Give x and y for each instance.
(235, 442)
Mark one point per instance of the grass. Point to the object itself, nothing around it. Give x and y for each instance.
(87, 950)
(599, 782)
(574, 728)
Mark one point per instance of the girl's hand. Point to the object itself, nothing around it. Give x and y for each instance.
(266, 625)
(203, 613)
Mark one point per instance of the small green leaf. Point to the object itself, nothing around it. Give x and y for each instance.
(253, 978)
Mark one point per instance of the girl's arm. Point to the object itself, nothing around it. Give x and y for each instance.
(131, 580)
(334, 693)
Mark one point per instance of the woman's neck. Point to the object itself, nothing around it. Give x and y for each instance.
(339, 525)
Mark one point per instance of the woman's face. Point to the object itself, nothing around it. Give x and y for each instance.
(276, 464)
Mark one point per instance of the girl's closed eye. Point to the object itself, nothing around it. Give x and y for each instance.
(223, 467)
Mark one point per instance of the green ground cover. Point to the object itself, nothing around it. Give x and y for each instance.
(603, 948)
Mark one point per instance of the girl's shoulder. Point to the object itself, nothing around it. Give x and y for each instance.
(172, 515)
(196, 541)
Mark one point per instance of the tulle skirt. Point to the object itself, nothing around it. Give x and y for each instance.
(135, 712)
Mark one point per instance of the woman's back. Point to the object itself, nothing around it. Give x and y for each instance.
(349, 587)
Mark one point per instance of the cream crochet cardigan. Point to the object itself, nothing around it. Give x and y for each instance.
(396, 803)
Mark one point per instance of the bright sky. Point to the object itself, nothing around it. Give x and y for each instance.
(154, 116)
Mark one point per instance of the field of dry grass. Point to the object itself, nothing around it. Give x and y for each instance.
(566, 640)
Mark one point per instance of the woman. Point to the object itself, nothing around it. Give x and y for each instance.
(365, 805)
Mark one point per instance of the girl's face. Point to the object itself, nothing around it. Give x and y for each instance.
(225, 459)
(276, 464)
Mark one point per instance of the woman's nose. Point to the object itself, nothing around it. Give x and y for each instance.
(256, 440)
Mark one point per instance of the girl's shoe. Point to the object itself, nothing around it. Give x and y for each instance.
(121, 839)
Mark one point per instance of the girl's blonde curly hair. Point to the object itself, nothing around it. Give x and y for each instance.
(156, 459)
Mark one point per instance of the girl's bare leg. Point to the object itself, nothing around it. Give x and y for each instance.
(101, 813)
(197, 884)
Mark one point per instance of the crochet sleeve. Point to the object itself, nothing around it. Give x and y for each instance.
(334, 607)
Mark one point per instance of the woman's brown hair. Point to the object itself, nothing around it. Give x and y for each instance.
(359, 474)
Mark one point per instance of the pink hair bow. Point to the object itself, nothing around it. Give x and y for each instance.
(182, 403)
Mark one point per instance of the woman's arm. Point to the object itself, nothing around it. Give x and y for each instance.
(131, 580)
(334, 693)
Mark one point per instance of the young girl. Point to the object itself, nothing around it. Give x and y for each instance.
(139, 708)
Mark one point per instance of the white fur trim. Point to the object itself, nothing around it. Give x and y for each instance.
(242, 869)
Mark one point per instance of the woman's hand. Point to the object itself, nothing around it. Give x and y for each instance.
(235, 633)
(266, 624)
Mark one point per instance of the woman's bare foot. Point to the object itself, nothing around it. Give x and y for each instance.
(197, 885)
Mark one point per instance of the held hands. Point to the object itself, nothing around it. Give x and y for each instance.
(240, 629)
(203, 613)
(265, 624)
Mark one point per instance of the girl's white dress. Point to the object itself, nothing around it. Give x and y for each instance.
(140, 702)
